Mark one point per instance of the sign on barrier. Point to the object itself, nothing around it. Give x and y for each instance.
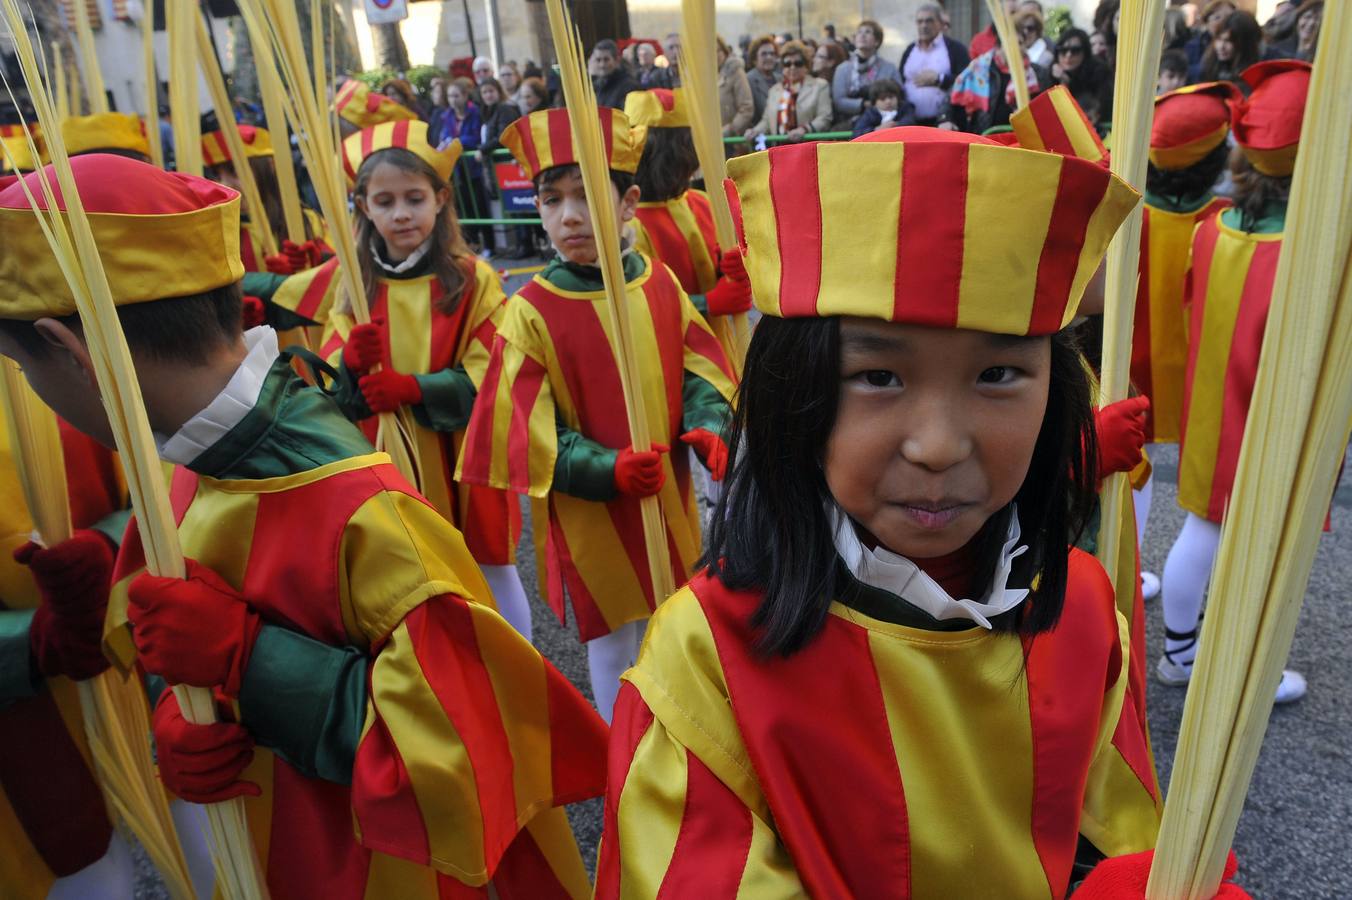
(518, 193)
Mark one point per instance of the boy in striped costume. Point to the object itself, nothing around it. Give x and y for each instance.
(550, 420)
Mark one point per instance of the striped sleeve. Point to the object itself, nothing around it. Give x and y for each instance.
(704, 355)
(512, 439)
(489, 304)
(310, 294)
(672, 828)
(470, 735)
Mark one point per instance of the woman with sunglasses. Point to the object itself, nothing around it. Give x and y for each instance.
(1028, 25)
(1089, 81)
(798, 105)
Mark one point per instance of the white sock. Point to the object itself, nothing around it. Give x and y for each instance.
(607, 658)
(1186, 573)
(110, 877)
(510, 595)
(1141, 501)
(190, 821)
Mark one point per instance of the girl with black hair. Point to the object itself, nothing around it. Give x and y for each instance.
(895, 674)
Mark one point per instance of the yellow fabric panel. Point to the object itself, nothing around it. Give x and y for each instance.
(953, 762)
(844, 255)
(702, 366)
(291, 291)
(1081, 141)
(215, 513)
(706, 267)
(517, 672)
(600, 558)
(489, 302)
(397, 553)
(1169, 250)
(390, 876)
(539, 132)
(680, 678)
(999, 214)
(1224, 287)
(433, 756)
(1103, 224)
(760, 233)
(643, 242)
(650, 811)
(554, 836)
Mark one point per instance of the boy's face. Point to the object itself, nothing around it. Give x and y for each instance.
(63, 377)
(567, 221)
(1170, 81)
(935, 430)
(886, 104)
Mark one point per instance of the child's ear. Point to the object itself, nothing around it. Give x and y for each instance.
(67, 343)
(629, 203)
(359, 201)
(443, 197)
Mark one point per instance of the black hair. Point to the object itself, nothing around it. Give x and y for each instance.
(1190, 182)
(771, 532)
(178, 329)
(669, 162)
(623, 181)
(1175, 61)
(883, 87)
(1255, 193)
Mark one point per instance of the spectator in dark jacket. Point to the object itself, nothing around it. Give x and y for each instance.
(763, 72)
(1090, 82)
(1213, 17)
(887, 109)
(611, 80)
(929, 65)
(849, 87)
(1238, 45)
(496, 113)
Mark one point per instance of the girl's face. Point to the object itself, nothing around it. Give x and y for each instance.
(438, 93)
(455, 96)
(1307, 27)
(1216, 21)
(1225, 48)
(935, 430)
(1098, 44)
(488, 94)
(530, 102)
(821, 60)
(403, 207)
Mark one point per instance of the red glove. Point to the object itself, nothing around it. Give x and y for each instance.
(1121, 435)
(294, 258)
(1125, 877)
(253, 313)
(729, 297)
(640, 474)
(201, 763)
(365, 347)
(387, 390)
(732, 265)
(197, 630)
(73, 579)
(711, 449)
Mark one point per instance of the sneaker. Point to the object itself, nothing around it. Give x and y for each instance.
(1293, 686)
(1174, 674)
(1150, 585)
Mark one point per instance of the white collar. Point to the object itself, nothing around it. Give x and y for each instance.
(885, 570)
(231, 405)
(399, 268)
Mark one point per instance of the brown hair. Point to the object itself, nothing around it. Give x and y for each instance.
(451, 257)
(754, 47)
(797, 48)
(1255, 192)
(401, 87)
(269, 192)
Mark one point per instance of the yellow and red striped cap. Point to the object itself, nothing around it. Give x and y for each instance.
(544, 140)
(1054, 123)
(410, 136)
(1267, 123)
(216, 151)
(1191, 122)
(105, 131)
(659, 108)
(356, 103)
(963, 232)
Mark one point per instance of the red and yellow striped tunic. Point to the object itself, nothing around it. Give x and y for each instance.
(554, 362)
(680, 233)
(53, 817)
(419, 340)
(880, 760)
(1159, 344)
(471, 739)
(1229, 291)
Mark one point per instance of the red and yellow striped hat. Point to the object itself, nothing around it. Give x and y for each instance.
(216, 151)
(1191, 122)
(544, 140)
(411, 136)
(962, 231)
(136, 211)
(1267, 123)
(105, 131)
(356, 103)
(1054, 123)
(660, 108)
(16, 147)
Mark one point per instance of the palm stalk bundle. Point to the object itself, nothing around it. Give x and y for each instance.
(180, 18)
(152, 87)
(1293, 443)
(590, 149)
(1009, 43)
(71, 239)
(95, 92)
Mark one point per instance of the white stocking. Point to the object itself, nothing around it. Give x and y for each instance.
(107, 878)
(607, 658)
(190, 821)
(505, 583)
(1186, 573)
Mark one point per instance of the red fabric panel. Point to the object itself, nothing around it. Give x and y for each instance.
(313, 850)
(528, 151)
(1241, 371)
(930, 246)
(525, 872)
(578, 737)
(797, 203)
(707, 346)
(1060, 252)
(1203, 251)
(91, 477)
(825, 786)
(607, 118)
(561, 572)
(631, 720)
(478, 445)
(525, 391)
(368, 143)
(383, 801)
(560, 137)
(626, 515)
(1051, 129)
(714, 840)
(664, 305)
(51, 790)
(704, 218)
(222, 148)
(399, 134)
(1140, 340)
(319, 285)
(248, 256)
(1066, 678)
(669, 245)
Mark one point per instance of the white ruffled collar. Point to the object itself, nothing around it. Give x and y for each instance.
(400, 267)
(885, 570)
(231, 405)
